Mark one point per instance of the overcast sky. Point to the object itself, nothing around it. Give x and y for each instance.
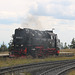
(37, 14)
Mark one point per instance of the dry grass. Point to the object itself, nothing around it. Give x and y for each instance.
(4, 52)
(72, 72)
(68, 50)
(17, 61)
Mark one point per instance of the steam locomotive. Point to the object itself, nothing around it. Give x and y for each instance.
(34, 42)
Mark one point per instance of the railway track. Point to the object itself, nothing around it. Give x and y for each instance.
(43, 68)
(59, 70)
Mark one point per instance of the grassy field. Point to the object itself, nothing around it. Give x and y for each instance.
(17, 61)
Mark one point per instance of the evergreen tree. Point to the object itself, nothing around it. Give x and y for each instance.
(72, 43)
(10, 43)
(3, 47)
(65, 46)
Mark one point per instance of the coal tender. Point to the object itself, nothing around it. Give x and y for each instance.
(34, 42)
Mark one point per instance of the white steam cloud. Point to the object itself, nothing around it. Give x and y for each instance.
(32, 22)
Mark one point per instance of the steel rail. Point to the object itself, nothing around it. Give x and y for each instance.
(60, 69)
(34, 66)
(66, 69)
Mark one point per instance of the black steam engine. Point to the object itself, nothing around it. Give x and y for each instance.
(34, 42)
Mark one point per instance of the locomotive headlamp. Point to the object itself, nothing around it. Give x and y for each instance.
(33, 49)
(22, 45)
(50, 42)
(12, 45)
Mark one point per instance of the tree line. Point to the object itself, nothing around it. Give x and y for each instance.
(71, 46)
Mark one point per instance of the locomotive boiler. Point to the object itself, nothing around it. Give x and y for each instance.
(34, 42)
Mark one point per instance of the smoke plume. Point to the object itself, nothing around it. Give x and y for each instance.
(32, 22)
